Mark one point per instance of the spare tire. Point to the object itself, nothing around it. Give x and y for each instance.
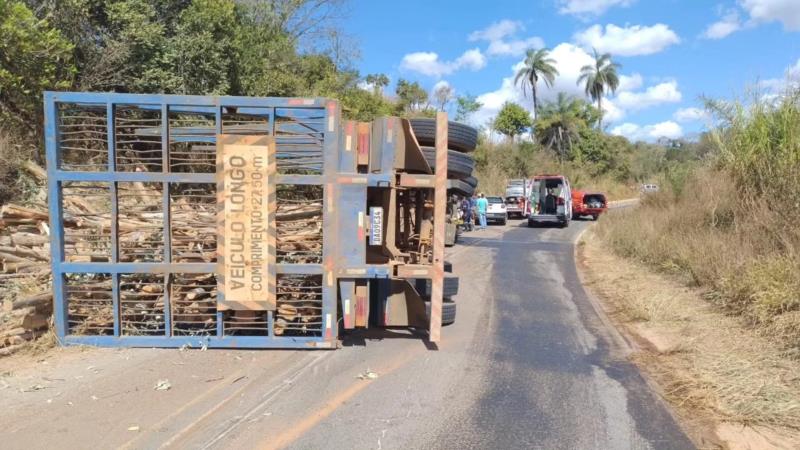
(448, 311)
(472, 181)
(463, 138)
(459, 165)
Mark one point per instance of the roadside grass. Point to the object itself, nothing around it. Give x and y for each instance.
(731, 227)
(714, 367)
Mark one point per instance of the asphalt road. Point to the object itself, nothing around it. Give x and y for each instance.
(528, 364)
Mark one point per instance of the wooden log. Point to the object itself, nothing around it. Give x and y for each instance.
(12, 332)
(35, 170)
(29, 239)
(44, 299)
(288, 312)
(14, 211)
(5, 351)
(7, 257)
(23, 266)
(44, 228)
(279, 326)
(24, 252)
(18, 339)
(153, 288)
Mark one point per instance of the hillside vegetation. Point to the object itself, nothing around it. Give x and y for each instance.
(731, 224)
(567, 141)
(279, 48)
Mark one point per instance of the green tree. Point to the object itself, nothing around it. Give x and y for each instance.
(560, 123)
(378, 81)
(265, 57)
(538, 65)
(411, 96)
(199, 56)
(466, 105)
(512, 120)
(33, 57)
(358, 104)
(599, 78)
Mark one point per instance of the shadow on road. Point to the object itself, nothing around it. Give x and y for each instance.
(359, 338)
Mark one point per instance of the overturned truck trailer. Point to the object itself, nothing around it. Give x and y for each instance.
(240, 222)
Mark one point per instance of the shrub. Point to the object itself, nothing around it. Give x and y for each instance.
(731, 226)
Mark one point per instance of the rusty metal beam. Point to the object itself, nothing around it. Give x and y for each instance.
(416, 181)
(439, 211)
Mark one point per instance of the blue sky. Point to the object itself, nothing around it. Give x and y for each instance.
(671, 51)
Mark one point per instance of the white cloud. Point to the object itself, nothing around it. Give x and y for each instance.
(654, 95)
(496, 31)
(691, 114)
(630, 83)
(471, 59)
(589, 7)
(611, 112)
(778, 86)
(496, 35)
(785, 11)
(729, 24)
(628, 41)
(514, 47)
(634, 132)
(428, 63)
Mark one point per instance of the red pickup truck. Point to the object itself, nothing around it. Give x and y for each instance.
(588, 204)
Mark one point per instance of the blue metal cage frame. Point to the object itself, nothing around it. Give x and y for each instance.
(329, 110)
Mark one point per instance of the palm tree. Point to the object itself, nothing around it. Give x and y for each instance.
(538, 64)
(559, 124)
(600, 78)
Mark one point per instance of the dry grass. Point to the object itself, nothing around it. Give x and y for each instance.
(717, 368)
(744, 252)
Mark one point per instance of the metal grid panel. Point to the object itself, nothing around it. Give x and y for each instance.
(134, 269)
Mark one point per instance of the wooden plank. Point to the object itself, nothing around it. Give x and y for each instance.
(247, 206)
(439, 211)
(362, 304)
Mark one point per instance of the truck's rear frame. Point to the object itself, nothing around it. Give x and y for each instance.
(161, 148)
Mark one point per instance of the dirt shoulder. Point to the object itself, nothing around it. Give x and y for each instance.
(730, 387)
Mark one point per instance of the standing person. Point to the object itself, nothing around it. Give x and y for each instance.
(482, 205)
(466, 211)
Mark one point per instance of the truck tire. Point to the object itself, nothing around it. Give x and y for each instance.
(459, 165)
(448, 311)
(463, 138)
(472, 181)
(460, 187)
(450, 288)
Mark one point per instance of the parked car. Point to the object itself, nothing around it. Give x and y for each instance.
(516, 206)
(551, 200)
(588, 204)
(497, 210)
(649, 188)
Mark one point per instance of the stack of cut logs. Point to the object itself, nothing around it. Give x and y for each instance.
(25, 281)
(27, 301)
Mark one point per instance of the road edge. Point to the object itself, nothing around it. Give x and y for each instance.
(622, 338)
